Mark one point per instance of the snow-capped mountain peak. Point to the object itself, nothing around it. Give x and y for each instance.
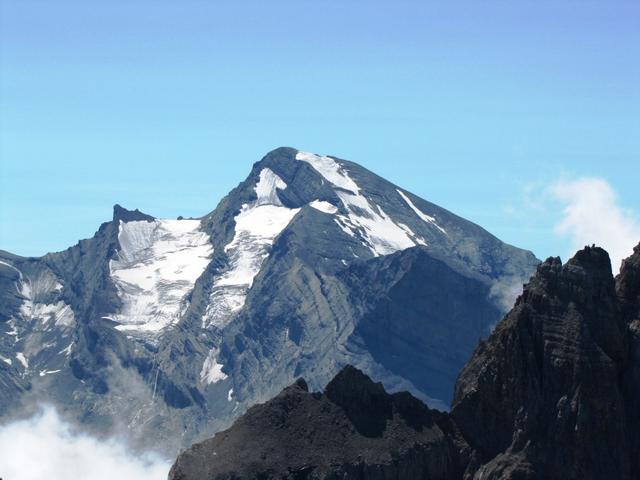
(175, 327)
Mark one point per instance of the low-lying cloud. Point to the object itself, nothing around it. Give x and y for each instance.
(505, 291)
(591, 214)
(45, 446)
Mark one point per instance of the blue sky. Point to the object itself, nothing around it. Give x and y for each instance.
(485, 108)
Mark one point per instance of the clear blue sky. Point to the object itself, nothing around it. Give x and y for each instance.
(164, 105)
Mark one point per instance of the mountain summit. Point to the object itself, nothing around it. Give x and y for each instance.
(172, 328)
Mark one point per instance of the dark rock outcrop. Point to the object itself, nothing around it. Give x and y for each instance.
(553, 393)
(544, 397)
(355, 430)
(124, 215)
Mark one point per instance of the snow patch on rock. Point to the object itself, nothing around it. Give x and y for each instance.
(323, 206)
(379, 232)
(267, 188)
(22, 359)
(331, 170)
(12, 267)
(42, 303)
(376, 229)
(67, 351)
(59, 313)
(257, 226)
(416, 238)
(211, 370)
(426, 218)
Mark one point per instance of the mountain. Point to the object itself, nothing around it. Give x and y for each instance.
(552, 393)
(353, 430)
(170, 329)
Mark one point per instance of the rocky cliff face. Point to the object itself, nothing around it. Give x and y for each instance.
(354, 430)
(170, 329)
(548, 395)
(552, 393)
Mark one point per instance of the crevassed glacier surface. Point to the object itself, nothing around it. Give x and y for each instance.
(155, 268)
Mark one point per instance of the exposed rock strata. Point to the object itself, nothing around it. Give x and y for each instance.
(553, 393)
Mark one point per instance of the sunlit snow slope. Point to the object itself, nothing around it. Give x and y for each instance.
(378, 231)
(257, 225)
(156, 267)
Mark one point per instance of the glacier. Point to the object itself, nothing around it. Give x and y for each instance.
(155, 268)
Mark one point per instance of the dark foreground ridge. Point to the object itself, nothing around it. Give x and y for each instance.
(355, 429)
(553, 393)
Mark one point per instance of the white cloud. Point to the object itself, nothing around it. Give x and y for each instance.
(44, 446)
(591, 214)
(506, 291)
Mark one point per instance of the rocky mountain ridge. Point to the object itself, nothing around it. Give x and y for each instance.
(552, 393)
(170, 329)
(353, 430)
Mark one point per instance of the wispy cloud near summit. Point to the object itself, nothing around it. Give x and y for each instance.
(591, 214)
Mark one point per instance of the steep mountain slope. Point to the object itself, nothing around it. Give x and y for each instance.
(553, 393)
(169, 329)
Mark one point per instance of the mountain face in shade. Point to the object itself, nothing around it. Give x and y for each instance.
(170, 329)
(353, 430)
(553, 393)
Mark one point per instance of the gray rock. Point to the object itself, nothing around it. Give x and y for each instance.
(354, 430)
(323, 298)
(552, 393)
